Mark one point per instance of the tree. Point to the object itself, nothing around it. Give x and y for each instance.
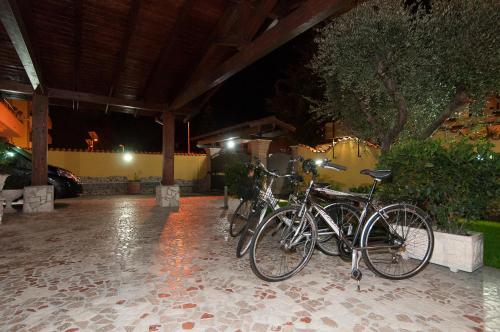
(392, 70)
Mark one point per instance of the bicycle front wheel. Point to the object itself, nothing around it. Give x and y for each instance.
(240, 217)
(283, 244)
(398, 241)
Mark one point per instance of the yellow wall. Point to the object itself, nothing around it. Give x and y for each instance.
(346, 154)
(186, 167)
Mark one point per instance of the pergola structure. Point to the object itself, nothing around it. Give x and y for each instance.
(155, 57)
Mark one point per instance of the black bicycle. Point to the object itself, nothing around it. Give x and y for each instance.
(395, 242)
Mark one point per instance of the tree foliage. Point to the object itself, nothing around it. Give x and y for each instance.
(391, 71)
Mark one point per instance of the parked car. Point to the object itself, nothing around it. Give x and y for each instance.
(65, 183)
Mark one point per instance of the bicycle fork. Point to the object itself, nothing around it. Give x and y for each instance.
(355, 271)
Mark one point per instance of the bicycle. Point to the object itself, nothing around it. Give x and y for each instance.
(251, 211)
(381, 239)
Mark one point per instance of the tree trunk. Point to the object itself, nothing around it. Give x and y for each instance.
(400, 103)
(460, 100)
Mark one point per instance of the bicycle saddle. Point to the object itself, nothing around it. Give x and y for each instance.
(378, 173)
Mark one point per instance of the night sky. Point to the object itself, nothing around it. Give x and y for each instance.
(241, 98)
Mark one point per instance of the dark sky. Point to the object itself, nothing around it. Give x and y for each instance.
(241, 98)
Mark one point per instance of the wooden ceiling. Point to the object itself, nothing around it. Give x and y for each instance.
(152, 54)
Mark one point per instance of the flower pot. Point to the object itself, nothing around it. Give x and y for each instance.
(11, 195)
(133, 187)
(457, 252)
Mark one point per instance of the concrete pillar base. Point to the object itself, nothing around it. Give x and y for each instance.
(167, 196)
(38, 199)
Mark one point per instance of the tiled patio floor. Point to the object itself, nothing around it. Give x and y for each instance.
(122, 264)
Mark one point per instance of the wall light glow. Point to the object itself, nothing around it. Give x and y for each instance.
(10, 154)
(128, 157)
(230, 144)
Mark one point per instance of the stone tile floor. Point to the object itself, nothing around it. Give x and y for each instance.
(121, 264)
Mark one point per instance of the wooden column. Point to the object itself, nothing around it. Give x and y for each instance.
(167, 178)
(39, 138)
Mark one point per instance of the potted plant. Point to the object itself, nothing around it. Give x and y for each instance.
(134, 185)
(454, 183)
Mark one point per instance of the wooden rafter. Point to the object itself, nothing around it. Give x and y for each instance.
(258, 18)
(167, 48)
(27, 90)
(306, 16)
(11, 17)
(219, 38)
(241, 14)
(122, 54)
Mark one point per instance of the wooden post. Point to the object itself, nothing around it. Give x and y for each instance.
(39, 138)
(167, 178)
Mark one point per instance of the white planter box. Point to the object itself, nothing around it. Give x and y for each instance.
(458, 252)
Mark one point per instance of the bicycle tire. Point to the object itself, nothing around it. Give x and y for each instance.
(235, 228)
(342, 214)
(248, 232)
(255, 260)
(409, 252)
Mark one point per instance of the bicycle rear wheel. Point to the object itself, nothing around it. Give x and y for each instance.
(240, 217)
(276, 252)
(399, 241)
(346, 216)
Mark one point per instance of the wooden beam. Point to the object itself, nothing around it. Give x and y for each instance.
(39, 137)
(167, 178)
(220, 37)
(14, 87)
(258, 18)
(100, 99)
(167, 48)
(122, 54)
(306, 16)
(11, 17)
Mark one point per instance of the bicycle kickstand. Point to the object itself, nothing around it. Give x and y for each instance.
(355, 271)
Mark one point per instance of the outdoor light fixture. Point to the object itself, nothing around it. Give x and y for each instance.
(128, 157)
(230, 144)
(319, 162)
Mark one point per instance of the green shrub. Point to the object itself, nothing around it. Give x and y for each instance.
(238, 179)
(451, 182)
(362, 189)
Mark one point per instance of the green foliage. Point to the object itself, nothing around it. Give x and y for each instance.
(3, 158)
(240, 179)
(363, 189)
(429, 56)
(491, 231)
(452, 183)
